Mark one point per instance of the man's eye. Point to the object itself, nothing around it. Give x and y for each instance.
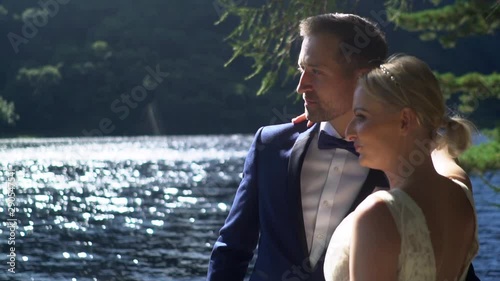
(359, 116)
(315, 71)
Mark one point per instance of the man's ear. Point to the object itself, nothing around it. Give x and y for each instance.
(362, 71)
(408, 120)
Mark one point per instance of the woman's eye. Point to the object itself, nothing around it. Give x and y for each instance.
(360, 116)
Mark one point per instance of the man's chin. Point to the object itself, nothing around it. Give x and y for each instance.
(313, 117)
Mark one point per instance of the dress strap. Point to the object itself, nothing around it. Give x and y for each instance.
(416, 252)
(401, 206)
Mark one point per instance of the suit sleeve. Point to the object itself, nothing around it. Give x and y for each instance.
(238, 237)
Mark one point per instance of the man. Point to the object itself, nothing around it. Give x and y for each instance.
(298, 182)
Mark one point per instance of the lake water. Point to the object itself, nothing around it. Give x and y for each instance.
(140, 208)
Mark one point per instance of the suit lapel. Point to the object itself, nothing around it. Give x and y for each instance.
(294, 193)
(294, 197)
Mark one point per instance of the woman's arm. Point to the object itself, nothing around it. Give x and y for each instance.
(375, 244)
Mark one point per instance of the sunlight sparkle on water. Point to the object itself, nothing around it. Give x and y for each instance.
(113, 208)
(198, 178)
(40, 205)
(72, 225)
(190, 200)
(119, 201)
(89, 189)
(133, 220)
(101, 217)
(98, 200)
(222, 206)
(157, 222)
(171, 190)
(115, 149)
(42, 198)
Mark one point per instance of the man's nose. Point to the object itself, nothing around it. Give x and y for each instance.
(304, 83)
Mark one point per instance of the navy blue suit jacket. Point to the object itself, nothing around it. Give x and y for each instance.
(267, 210)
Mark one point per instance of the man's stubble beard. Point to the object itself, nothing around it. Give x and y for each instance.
(321, 115)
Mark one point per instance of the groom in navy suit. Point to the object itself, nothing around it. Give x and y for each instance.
(298, 182)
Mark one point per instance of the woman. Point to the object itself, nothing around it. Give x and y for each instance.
(424, 227)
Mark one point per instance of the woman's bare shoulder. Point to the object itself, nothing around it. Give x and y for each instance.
(374, 212)
(448, 167)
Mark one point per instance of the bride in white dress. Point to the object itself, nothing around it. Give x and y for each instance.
(424, 227)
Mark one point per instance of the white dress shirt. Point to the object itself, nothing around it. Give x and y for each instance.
(330, 181)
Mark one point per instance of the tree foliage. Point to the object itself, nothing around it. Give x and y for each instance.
(7, 112)
(484, 157)
(266, 33)
(448, 23)
(69, 69)
(473, 87)
(78, 66)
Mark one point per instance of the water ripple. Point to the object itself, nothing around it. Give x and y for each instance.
(142, 208)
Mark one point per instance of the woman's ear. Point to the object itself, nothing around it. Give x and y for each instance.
(408, 120)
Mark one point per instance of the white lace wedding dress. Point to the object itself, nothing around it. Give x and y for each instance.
(416, 259)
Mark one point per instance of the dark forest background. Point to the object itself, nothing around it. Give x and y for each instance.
(85, 69)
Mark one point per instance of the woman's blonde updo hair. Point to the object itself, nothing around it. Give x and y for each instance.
(405, 81)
